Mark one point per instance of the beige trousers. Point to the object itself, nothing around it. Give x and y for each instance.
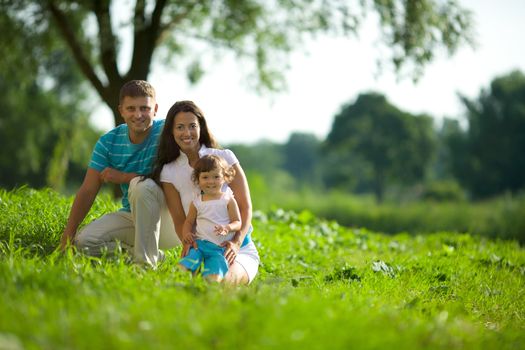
(142, 232)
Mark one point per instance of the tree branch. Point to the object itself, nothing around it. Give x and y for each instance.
(220, 44)
(108, 56)
(156, 17)
(146, 38)
(76, 48)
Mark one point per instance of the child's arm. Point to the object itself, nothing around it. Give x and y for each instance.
(187, 227)
(235, 219)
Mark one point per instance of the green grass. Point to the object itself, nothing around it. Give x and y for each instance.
(498, 217)
(321, 286)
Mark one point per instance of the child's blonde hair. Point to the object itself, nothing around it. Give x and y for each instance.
(209, 163)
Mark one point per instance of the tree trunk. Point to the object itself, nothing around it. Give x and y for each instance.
(379, 186)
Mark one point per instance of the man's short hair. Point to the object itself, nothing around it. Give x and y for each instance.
(136, 88)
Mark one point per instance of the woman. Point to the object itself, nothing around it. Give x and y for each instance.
(184, 140)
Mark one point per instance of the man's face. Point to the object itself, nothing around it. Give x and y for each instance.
(138, 113)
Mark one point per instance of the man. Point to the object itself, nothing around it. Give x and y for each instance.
(121, 156)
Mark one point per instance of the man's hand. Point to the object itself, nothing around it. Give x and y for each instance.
(66, 241)
(81, 205)
(110, 175)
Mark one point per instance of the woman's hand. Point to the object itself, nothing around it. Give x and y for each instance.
(188, 241)
(187, 238)
(230, 251)
(186, 249)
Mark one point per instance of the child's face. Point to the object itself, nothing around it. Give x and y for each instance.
(210, 182)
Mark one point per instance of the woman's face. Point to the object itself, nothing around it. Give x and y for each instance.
(186, 131)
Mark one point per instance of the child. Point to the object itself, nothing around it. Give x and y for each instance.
(216, 215)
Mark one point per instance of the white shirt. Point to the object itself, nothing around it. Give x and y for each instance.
(179, 171)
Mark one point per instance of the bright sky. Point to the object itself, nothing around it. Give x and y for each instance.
(329, 73)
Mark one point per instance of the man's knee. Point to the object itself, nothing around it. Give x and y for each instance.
(80, 242)
(143, 188)
(84, 242)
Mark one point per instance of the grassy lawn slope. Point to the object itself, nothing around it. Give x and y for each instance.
(320, 286)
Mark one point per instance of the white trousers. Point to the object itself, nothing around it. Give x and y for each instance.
(142, 232)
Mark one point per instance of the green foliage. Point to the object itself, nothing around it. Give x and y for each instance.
(450, 150)
(500, 217)
(488, 155)
(259, 33)
(263, 157)
(438, 291)
(43, 127)
(42, 136)
(263, 164)
(416, 29)
(303, 157)
(443, 191)
(395, 146)
(35, 219)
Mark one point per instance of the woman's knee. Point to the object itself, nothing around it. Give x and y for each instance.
(213, 278)
(236, 275)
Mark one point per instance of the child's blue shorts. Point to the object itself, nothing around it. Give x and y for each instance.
(213, 256)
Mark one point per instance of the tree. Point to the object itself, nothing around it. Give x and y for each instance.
(38, 129)
(302, 158)
(262, 32)
(263, 157)
(393, 146)
(263, 163)
(42, 112)
(489, 154)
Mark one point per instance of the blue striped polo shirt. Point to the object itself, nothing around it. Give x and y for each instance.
(115, 150)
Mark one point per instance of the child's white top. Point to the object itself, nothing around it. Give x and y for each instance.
(211, 213)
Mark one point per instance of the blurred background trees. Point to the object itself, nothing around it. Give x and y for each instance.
(44, 121)
(488, 156)
(54, 54)
(261, 34)
(302, 154)
(394, 146)
(374, 147)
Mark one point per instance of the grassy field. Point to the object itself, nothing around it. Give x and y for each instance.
(497, 217)
(320, 286)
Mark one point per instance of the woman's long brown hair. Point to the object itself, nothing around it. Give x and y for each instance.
(168, 149)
